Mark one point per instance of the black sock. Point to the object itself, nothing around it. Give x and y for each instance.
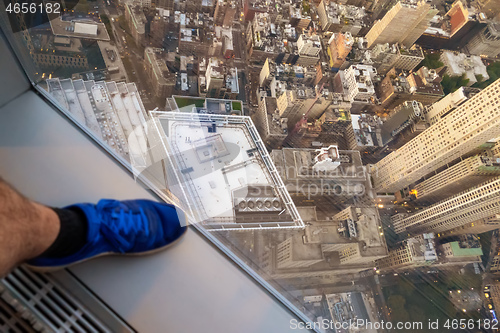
(72, 234)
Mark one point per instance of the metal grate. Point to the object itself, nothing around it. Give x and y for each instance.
(11, 320)
(32, 302)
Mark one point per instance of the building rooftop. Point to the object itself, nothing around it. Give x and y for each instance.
(112, 111)
(465, 246)
(225, 173)
(367, 130)
(83, 28)
(460, 63)
(422, 248)
(299, 163)
(207, 105)
(160, 68)
(276, 124)
(424, 81)
(338, 13)
(401, 117)
(270, 6)
(362, 225)
(299, 11)
(272, 37)
(449, 24)
(460, 251)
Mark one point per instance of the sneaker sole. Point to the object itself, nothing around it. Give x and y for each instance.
(47, 269)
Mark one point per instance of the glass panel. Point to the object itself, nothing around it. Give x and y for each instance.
(322, 146)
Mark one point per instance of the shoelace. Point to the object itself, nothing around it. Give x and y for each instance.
(120, 228)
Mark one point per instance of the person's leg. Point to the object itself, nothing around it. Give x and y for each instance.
(27, 228)
(53, 238)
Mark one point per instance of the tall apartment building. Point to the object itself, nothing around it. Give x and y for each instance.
(136, 19)
(289, 255)
(402, 116)
(411, 253)
(361, 223)
(453, 30)
(163, 81)
(299, 14)
(348, 244)
(291, 102)
(267, 73)
(219, 81)
(224, 13)
(386, 57)
(309, 45)
(462, 130)
(486, 42)
(479, 202)
(441, 108)
(45, 60)
(403, 23)
(328, 17)
(339, 46)
(347, 182)
(423, 250)
(494, 294)
(457, 178)
(338, 17)
(295, 100)
(273, 129)
(357, 82)
(399, 86)
(477, 227)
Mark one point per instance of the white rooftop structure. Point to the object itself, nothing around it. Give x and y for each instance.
(85, 29)
(113, 112)
(460, 63)
(358, 81)
(224, 173)
(327, 158)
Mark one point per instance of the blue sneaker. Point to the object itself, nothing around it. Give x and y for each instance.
(122, 227)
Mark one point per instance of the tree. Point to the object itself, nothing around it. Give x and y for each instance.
(398, 311)
(431, 61)
(493, 72)
(82, 6)
(417, 314)
(405, 287)
(452, 83)
(107, 23)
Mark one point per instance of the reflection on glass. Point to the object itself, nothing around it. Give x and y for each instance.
(322, 145)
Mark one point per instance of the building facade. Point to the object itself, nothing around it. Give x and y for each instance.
(457, 178)
(163, 81)
(465, 207)
(486, 42)
(339, 46)
(448, 139)
(403, 23)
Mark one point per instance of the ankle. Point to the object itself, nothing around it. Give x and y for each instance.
(44, 233)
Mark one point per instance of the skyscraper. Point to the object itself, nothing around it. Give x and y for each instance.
(486, 42)
(403, 23)
(462, 130)
(461, 209)
(422, 250)
(349, 243)
(411, 253)
(465, 174)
